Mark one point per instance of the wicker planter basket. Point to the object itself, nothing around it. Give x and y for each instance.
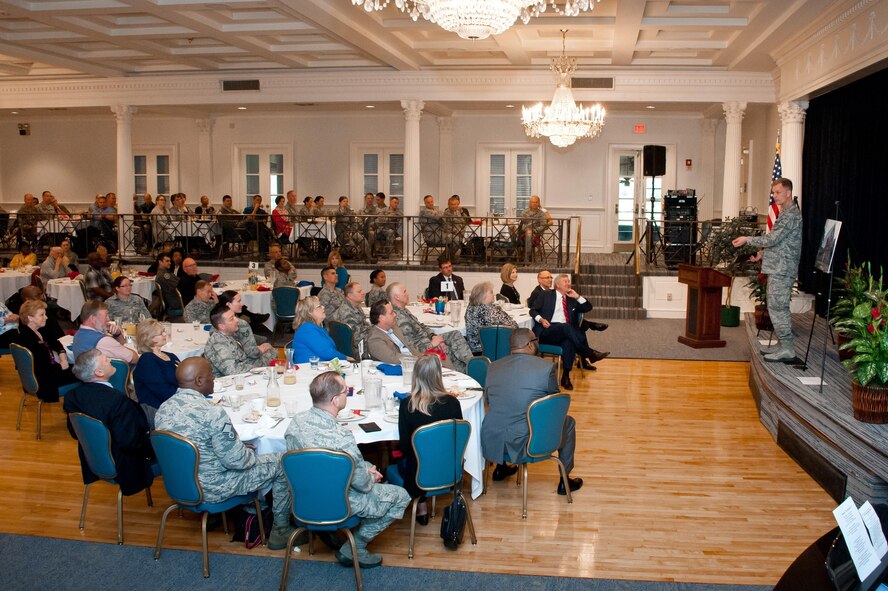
(762, 318)
(870, 403)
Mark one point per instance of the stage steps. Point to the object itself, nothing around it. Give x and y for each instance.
(611, 285)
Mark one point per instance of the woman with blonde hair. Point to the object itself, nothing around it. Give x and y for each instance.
(481, 311)
(509, 275)
(429, 402)
(310, 339)
(50, 359)
(155, 373)
(334, 259)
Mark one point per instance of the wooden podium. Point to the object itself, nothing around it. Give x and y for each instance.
(703, 316)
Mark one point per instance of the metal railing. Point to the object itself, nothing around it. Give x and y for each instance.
(236, 237)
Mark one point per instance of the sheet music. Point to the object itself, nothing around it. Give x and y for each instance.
(863, 554)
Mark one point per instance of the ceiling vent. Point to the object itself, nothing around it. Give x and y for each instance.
(606, 83)
(240, 85)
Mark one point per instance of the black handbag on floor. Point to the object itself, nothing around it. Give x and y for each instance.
(453, 518)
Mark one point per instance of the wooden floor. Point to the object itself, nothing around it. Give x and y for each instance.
(682, 483)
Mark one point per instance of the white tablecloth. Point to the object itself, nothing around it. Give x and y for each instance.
(441, 324)
(268, 435)
(61, 226)
(320, 228)
(187, 341)
(70, 295)
(259, 302)
(12, 281)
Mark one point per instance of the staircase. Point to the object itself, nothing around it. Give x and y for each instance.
(611, 285)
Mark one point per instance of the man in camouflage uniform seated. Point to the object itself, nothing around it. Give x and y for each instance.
(376, 504)
(422, 337)
(205, 299)
(349, 231)
(534, 221)
(227, 467)
(226, 353)
(330, 296)
(352, 315)
(781, 250)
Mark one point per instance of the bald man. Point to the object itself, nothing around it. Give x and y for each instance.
(188, 280)
(227, 466)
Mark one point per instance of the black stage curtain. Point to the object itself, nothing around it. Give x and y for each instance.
(846, 160)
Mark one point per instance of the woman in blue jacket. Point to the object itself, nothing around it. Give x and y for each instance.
(311, 340)
(155, 375)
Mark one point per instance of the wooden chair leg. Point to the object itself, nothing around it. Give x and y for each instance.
(39, 416)
(18, 423)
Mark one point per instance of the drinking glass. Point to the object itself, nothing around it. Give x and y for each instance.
(314, 362)
(195, 325)
(239, 382)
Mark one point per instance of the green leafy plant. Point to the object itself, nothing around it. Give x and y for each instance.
(850, 290)
(722, 255)
(758, 288)
(868, 327)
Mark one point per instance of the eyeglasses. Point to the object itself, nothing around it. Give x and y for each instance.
(319, 306)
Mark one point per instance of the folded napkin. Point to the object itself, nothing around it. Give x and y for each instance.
(145, 274)
(304, 283)
(262, 288)
(73, 275)
(214, 277)
(390, 370)
(401, 395)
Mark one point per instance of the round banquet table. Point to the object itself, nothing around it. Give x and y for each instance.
(441, 323)
(259, 302)
(11, 281)
(268, 434)
(70, 295)
(187, 342)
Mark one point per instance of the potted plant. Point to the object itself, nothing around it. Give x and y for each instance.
(731, 261)
(850, 292)
(868, 329)
(758, 285)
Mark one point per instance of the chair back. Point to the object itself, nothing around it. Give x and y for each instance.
(342, 335)
(24, 365)
(82, 280)
(95, 441)
(495, 341)
(285, 299)
(545, 421)
(477, 369)
(178, 458)
(437, 450)
(323, 498)
(121, 375)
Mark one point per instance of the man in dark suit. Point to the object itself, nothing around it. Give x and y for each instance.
(557, 323)
(513, 383)
(544, 283)
(124, 418)
(445, 266)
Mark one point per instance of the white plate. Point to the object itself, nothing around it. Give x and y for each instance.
(391, 418)
(350, 419)
(468, 394)
(258, 370)
(252, 417)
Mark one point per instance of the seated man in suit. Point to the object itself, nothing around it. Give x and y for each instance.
(124, 419)
(377, 504)
(385, 341)
(436, 287)
(513, 383)
(544, 283)
(556, 314)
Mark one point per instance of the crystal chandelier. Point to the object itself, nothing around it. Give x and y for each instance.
(563, 121)
(478, 19)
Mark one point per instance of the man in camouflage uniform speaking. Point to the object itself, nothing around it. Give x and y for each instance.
(376, 504)
(422, 337)
(227, 467)
(226, 353)
(781, 250)
(351, 314)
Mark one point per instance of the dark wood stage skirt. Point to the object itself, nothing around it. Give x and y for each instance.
(818, 429)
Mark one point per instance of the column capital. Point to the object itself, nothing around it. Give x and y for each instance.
(792, 111)
(445, 124)
(734, 111)
(124, 113)
(412, 109)
(204, 125)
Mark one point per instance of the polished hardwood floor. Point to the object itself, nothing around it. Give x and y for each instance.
(682, 483)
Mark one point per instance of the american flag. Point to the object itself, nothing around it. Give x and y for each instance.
(776, 173)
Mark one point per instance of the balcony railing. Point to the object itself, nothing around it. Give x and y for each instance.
(407, 239)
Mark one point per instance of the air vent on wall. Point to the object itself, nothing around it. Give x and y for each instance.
(240, 85)
(592, 83)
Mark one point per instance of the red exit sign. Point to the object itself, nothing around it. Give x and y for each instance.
(638, 128)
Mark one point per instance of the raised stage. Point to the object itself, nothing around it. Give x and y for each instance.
(818, 429)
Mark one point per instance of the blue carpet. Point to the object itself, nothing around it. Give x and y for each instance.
(36, 563)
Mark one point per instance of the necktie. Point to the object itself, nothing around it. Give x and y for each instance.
(564, 303)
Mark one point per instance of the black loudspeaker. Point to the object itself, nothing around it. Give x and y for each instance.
(654, 160)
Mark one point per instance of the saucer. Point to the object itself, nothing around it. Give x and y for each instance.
(391, 418)
(252, 417)
(349, 419)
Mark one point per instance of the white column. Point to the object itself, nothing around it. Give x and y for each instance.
(706, 195)
(125, 175)
(412, 115)
(733, 136)
(445, 161)
(205, 158)
(792, 135)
